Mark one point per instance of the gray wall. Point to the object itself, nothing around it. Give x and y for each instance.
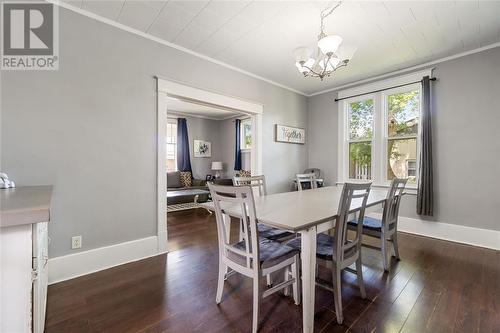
(206, 130)
(322, 131)
(89, 129)
(466, 135)
(227, 132)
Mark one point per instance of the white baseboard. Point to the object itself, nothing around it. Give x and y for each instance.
(86, 262)
(450, 232)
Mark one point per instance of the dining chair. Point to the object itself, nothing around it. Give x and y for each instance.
(339, 252)
(385, 229)
(253, 257)
(265, 231)
(259, 182)
(306, 178)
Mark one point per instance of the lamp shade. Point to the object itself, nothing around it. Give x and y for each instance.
(305, 67)
(329, 44)
(217, 166)
(302, 54)
(346, 52)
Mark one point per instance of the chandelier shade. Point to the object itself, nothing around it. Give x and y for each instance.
(329, 44)
(346, 51)
(305, 67)
(302, 54)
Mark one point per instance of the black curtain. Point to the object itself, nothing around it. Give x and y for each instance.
(425, 197)
(183, 156)
(237, 151)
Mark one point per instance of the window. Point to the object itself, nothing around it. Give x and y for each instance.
(379, 131)
(171, 146)
(246, 134)
(360, 118)
(402, 114)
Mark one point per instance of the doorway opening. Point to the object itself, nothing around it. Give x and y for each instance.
(198, 131)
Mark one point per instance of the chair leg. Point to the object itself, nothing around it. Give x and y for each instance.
(383, 247)
(296, 284)
(337, 294)
(220, 282)
(256, 303)
(269, 280)
(395, 244)
(286, 277)
(359, 274)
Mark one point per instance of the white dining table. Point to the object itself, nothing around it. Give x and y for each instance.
(307, 212)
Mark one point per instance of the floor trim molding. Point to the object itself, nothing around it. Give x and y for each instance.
(451, 232)
(82, 263)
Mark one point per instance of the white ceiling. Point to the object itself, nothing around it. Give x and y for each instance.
(260, 36)
(187, 108)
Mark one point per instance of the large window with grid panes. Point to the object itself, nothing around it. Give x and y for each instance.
(379, 136)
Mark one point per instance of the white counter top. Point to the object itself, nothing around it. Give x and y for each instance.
(24, 205)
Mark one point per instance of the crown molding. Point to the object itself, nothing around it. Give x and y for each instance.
(408, 69)
(237, 69)
(169, 44)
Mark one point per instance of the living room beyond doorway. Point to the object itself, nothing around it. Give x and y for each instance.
(208, 138)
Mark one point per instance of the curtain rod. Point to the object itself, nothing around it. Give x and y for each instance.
(375, 91)
(234, 120)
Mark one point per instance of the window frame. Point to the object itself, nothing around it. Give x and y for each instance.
(171, 121)
(242, 133)
(385, 118)
(347, 140)
(380, 90)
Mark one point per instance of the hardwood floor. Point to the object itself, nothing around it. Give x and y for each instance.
(438, 287)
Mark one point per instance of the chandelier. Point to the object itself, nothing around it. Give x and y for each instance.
(330, 54)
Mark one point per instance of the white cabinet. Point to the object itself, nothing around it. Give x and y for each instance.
(23, 258)
(40, 275)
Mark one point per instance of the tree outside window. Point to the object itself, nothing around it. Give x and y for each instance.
(360, 139)
(403, 112)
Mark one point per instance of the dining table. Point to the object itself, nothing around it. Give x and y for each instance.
(308, 213)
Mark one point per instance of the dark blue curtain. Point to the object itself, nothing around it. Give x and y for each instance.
(183, 156)
(237, 151)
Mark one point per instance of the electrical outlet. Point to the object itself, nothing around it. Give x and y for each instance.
(76, 242)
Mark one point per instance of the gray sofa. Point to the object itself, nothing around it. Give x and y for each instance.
(174, 184)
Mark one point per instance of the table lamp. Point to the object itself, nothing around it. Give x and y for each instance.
(217, 167)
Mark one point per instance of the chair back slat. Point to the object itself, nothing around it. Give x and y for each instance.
(258, 182)
(350, 191)
(306, 178)
(392, 202)
(241, 197)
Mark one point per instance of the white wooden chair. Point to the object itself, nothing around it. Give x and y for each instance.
(258, 182)
(385, 229)
(252, 257)
(306, 178)
(338, 252)
(275, 234)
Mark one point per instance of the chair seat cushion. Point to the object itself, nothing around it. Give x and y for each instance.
(271, 253)
(324, 247)
(368, 223)
(274, 234)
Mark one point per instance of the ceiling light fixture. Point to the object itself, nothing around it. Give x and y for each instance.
(330, 54)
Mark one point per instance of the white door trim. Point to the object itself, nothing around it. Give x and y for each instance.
(166, 88)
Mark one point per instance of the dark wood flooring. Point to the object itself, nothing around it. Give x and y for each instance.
(437, 287)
